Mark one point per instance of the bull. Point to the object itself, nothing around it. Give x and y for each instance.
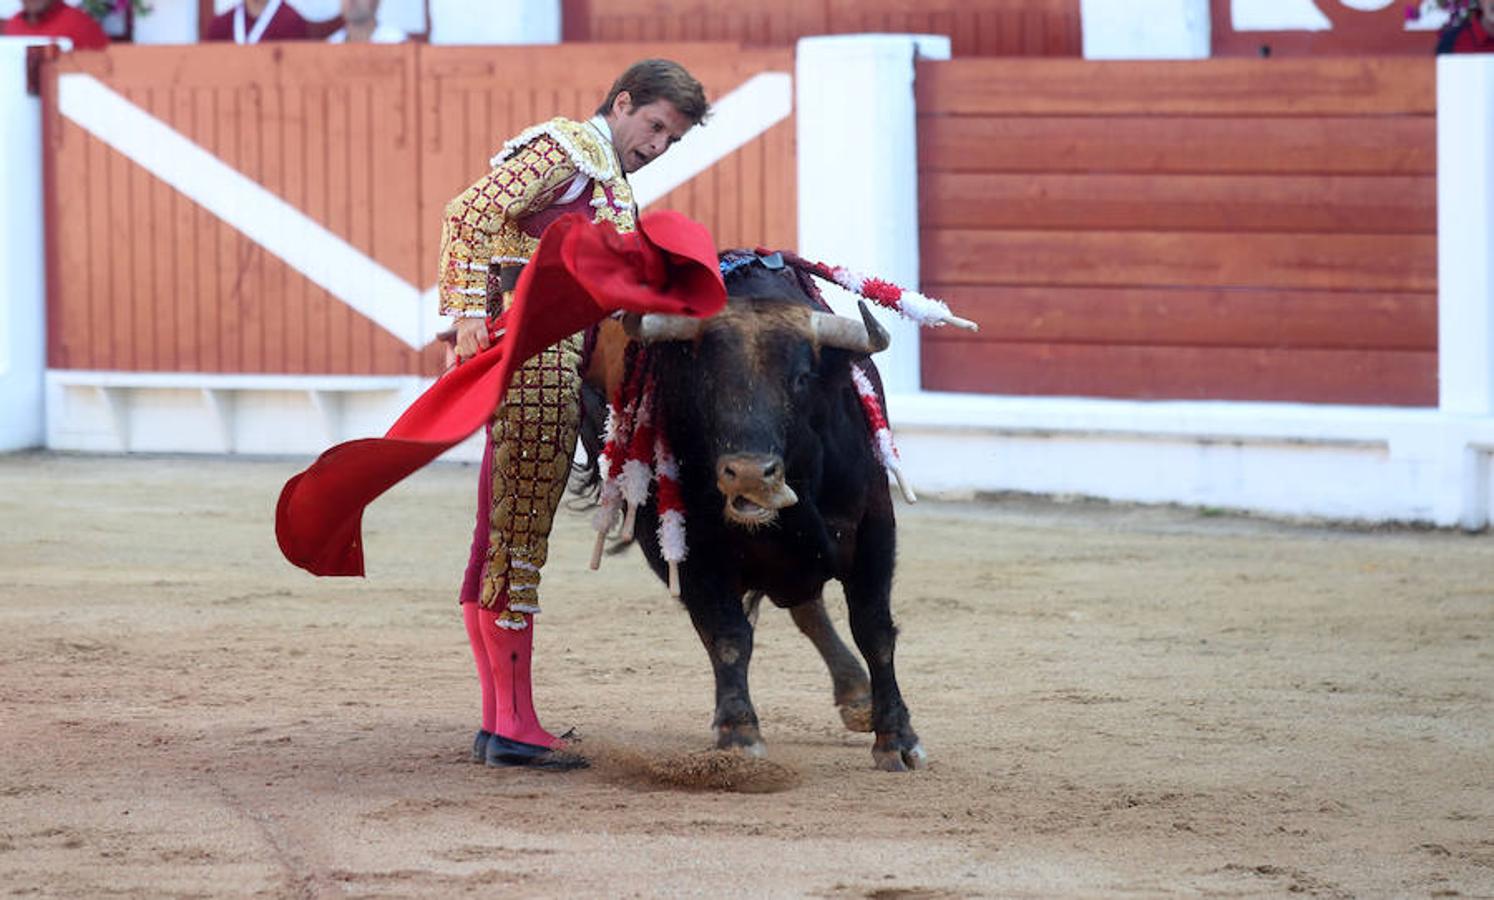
(783, 492)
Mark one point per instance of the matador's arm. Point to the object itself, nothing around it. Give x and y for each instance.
(524, 183)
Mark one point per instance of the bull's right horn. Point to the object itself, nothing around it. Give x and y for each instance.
(867, 336)
(651, 328)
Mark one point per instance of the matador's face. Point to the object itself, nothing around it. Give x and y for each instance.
(641, 134)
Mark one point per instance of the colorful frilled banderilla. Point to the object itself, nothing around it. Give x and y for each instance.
(636, 454)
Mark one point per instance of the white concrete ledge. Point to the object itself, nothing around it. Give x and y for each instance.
(203, 412)
(1335, 462)
(230, 381)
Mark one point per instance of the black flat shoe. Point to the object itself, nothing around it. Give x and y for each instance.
(502, 751)
(480, 745)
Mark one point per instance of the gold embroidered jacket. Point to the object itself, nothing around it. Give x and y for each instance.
(500, 218)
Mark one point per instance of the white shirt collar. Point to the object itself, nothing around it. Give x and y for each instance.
(602, 128)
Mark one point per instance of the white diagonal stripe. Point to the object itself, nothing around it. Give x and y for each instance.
(332, 263)
(760, 103)
(329, 261)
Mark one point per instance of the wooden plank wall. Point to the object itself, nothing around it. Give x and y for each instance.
(474, 99)
(1224, 229)
(975, 27)
(370, 142)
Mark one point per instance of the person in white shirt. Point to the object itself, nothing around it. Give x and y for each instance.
(362, 25)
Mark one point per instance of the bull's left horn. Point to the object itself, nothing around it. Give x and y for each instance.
(651, 328)
(867, 336)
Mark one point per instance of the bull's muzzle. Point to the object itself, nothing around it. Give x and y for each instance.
(754, 487)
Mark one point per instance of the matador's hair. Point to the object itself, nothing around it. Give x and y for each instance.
(660, 79)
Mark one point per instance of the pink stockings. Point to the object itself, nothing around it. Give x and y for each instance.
(503, 659)
(502, 655)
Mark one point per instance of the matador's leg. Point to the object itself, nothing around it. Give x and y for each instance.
(472, 613)
(533, 438)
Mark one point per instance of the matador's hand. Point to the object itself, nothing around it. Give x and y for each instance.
(471, 337)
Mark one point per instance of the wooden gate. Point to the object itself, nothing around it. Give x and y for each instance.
(146, 277)
(276, 209)
(1221, 229)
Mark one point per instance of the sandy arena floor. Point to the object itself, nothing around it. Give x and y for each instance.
(1117, 701)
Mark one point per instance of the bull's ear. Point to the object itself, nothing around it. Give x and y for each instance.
(632, 324)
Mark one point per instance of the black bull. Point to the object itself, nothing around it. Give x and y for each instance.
(782, 493)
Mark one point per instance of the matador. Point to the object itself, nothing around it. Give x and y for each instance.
(489, 231)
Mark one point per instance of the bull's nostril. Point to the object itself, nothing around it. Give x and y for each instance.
(729, 472)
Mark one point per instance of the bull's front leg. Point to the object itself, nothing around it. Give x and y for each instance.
(716, 611)
(869, 599)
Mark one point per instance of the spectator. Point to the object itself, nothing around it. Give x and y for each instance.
(53, 18)
(251, 21)
(1472, 31)
(363, 25)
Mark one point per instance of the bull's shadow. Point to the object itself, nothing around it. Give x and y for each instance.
(780, 484)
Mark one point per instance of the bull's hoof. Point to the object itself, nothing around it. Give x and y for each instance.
(856, 714)
(893, 755)
(754, 751)
(743, 739)
(480, 746)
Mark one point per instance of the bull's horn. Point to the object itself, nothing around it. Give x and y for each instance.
(650, 328)
(866, 336)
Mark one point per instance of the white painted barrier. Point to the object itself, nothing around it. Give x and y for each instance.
(858, 169)
(23, 337)
(511, 22)
(1145, 29)
(1465, 233)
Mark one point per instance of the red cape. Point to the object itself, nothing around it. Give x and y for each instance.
(580, 274)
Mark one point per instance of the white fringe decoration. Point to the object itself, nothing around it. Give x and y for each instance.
(551, 129)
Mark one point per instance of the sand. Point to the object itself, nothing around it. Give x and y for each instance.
(1116, 701)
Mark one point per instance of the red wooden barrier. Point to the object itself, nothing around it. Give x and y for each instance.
(1226, 229)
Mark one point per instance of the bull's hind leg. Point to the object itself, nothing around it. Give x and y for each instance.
(723, 627)
(869, 597)
(853, 694)
(847, 678)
